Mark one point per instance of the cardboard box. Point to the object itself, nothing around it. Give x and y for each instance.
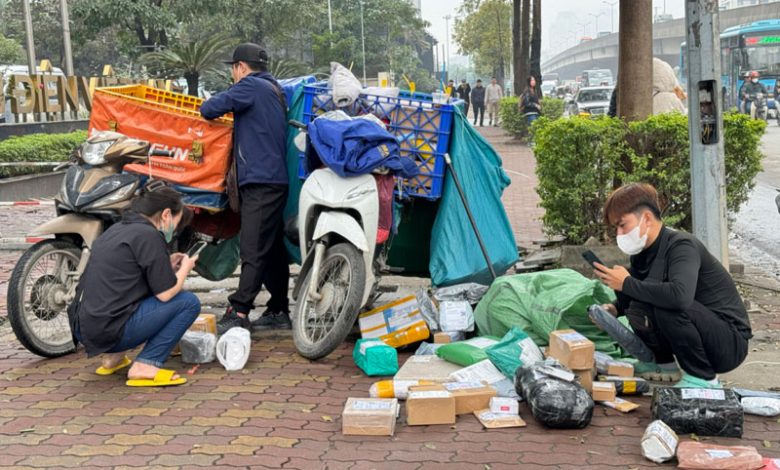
(470, 396)
(623, 406)
(206, 322)
(503, 405)
(430, 404)
(441, 338)
(369, 416)
(586, 378)
(430, 368)
(492, 420)
(604, 391)
(608, 366)
(397, 323)
(571, 349)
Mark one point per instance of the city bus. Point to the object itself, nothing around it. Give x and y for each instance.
(754, 46)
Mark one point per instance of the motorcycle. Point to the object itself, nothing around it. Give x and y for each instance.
(94, 192)
(756, 106)
(337, 227)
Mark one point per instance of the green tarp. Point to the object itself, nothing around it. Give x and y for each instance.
(539, 303)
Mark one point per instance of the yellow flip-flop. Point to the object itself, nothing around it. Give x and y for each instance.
(163, 378)
(108, 371)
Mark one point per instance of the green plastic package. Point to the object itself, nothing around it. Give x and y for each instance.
(515, 349)
(375, 357)
(466, 353)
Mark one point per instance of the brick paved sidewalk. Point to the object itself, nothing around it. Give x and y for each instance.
(283, 411)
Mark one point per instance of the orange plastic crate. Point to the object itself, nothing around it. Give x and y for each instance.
(162, 99)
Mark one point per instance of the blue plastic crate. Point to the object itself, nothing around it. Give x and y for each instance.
(422, 129)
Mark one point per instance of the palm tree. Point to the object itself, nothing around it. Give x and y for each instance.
(189, 60)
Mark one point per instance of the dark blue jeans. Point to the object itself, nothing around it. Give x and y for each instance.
(160, 325)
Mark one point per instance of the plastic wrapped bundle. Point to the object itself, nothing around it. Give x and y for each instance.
(198, 347)
(555, 398)
(622, 335)
(627, 385)
(706, 412)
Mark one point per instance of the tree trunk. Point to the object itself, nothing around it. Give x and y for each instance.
(635, 69)
(500, 73)
(536, 46)
(516, 48)
(525, 40)
(193, 82)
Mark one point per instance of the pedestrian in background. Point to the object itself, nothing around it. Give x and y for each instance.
(530, 105)
(451, 89)
(464, 92)
(493, 95)
(260, 147)
(478, 101)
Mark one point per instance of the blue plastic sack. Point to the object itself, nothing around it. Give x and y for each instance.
(455, 256)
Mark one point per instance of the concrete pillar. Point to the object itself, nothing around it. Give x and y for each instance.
(635, 60)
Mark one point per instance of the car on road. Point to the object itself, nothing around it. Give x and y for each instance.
(593, 101)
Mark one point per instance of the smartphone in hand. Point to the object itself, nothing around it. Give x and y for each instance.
(196, 249)
(591, 258)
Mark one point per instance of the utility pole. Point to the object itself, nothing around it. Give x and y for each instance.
(612, 13)
(66, 38)
(447, 19)
(330, 23)
(28, 36)
(705, 127)
(635, 60)
(363, 37)
(597, 21)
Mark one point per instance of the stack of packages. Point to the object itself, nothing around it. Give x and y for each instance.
(579, 354)
(452, 377)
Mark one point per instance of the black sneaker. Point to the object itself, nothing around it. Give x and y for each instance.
(231, 319)
(273, 321)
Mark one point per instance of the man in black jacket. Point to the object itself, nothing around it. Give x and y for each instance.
(678, 298)
(259, 147)
(464, 92)
(478, 101)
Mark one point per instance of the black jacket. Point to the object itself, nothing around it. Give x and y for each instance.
(464, 92)
(478, 95)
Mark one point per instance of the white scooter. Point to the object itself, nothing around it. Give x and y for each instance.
(337, 225)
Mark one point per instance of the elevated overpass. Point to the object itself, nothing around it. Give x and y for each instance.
(602, 53)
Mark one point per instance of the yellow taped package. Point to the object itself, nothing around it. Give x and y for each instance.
(397, 323)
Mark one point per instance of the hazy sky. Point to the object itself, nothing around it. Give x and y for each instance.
(435, 10)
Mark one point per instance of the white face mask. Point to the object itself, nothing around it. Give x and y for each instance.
(632, 243)
(754, 80)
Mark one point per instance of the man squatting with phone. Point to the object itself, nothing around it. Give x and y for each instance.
(678, 298)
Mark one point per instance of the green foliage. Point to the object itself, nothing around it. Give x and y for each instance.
(189, 60)
(513, 121)
(580, 160)
(576, 162)
(484, 33)
(37, 148)
(11, 51)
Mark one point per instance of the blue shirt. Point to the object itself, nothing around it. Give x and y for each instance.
(259, 127)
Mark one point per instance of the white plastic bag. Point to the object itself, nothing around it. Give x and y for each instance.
(345, 86)
(198, 347)
(233, 348)
(456, 315)
(761, 406)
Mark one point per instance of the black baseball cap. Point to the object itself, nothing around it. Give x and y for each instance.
(249, 52)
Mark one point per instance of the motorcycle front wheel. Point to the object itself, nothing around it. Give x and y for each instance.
(319, 327)
(36, 309)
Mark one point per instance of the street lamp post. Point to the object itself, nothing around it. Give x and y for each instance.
(66, 38)
(597, 21)
(583, 25)
(363, 39)
(612, 13)
(447, 19)
(28, 36)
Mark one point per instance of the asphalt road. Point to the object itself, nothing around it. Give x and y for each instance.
(756, 228)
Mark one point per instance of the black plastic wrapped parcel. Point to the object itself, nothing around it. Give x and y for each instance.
(556, 399)
(705, 412)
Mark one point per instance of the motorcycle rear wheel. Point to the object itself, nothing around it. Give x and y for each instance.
(320, 327)
(36, 311)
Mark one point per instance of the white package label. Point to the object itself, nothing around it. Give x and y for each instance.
(702, 394)
(483, 371)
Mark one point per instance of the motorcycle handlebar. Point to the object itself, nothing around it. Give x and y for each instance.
(297, 124)
(161, 153)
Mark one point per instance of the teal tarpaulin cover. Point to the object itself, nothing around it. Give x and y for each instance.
(455, 253)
